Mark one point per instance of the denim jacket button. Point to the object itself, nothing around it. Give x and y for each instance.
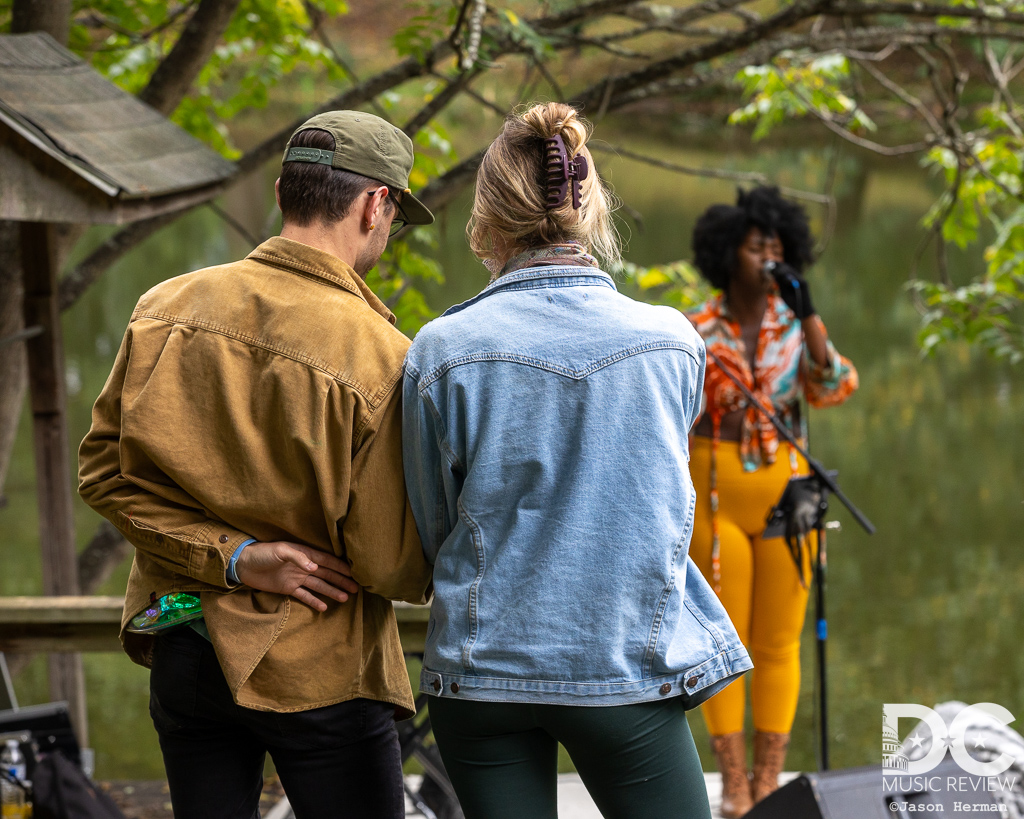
(692, 682)
(436, 685)
(666, 688)
(455, 688)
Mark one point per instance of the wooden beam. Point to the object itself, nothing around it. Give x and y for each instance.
(412, 626)
(58, 624)
(40, 264)
(89, 623)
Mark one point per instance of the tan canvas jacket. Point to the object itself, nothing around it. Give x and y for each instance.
(262, 399)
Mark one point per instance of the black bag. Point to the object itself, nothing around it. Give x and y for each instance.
(60, 790)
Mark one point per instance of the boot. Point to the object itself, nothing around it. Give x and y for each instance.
(769, 757)
(731, 757)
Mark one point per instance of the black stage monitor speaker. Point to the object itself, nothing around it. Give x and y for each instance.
(49, 725)
(859, 793)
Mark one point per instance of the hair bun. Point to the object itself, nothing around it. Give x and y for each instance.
(536, 186)
(558, 119)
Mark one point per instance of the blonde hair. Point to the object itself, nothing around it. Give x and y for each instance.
(509, 212)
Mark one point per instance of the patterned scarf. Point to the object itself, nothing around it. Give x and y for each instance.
(567, 254)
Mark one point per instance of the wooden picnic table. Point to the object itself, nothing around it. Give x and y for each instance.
(91, 623)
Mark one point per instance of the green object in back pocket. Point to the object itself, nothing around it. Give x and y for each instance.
(170, 610)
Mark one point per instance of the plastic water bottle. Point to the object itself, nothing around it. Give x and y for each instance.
(13, 803)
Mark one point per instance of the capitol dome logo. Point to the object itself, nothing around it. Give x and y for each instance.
(894, 760)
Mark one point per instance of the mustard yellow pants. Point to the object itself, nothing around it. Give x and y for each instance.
(760, 585)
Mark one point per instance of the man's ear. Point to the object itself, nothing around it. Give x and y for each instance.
(277, 193)
(374, 208)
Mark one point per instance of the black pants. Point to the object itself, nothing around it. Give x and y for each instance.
(339, 761)
(637, 761)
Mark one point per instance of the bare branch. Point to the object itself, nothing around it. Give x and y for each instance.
(578, 14)
(792, 14)
(711, 173)
(173, 77)
(903, 94)
(852, 8)
(497, 109)
(829, 122)
(77, 280)
(440, 192)
(438, 102)
(667, 17)
(352, 98)
(234, 224)
(316, 17)
(543, 69)
(763, 51)
(606, 44)
(999, 78)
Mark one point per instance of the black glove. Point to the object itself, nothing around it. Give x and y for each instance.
(792, 288)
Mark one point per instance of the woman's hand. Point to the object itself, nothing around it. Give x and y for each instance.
(793, 289)
(296, 570)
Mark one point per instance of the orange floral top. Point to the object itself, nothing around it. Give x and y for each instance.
(783, 371)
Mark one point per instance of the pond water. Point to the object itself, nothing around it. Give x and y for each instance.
(926, 610)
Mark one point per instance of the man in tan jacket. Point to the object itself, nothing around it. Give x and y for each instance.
(248, 444)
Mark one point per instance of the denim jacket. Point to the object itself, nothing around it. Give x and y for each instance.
(545, 445)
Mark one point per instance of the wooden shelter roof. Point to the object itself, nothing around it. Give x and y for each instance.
(103, 134)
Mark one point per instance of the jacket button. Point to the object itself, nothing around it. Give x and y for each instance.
(665, 688)
(223, 538)
(455, 688)
(692, 682)
(436, 685)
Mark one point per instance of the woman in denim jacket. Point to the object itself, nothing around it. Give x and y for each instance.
(546, 456)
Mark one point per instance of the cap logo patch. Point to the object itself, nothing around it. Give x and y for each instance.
(315, 155)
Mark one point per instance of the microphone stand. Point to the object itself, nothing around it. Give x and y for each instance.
(825, 484)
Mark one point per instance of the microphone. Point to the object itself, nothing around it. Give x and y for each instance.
(780, 270)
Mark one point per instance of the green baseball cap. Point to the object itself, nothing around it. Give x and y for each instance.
(369, 146)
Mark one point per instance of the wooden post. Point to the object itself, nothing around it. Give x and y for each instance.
(40, 264)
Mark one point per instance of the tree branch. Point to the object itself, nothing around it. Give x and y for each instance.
(852, 8)
(799, 10)
(903, 94)
(712, 173)
(78, 279)
(176, 72)
(352, 98)
(438, 103)
(668, 17)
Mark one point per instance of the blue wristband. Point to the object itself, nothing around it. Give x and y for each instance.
(232, 572)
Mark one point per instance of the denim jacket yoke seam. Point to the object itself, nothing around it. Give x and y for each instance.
(447, 365)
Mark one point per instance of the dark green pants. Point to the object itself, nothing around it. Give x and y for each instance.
(636, 760)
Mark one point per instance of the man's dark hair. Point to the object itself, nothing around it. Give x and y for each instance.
(312, 193)
(721, 230)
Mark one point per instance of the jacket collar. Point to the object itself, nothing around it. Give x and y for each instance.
(542, 276)
(287, 254)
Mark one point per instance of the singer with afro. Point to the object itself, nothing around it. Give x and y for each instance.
(763, 328)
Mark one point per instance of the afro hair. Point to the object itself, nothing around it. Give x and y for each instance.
(721, 230)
